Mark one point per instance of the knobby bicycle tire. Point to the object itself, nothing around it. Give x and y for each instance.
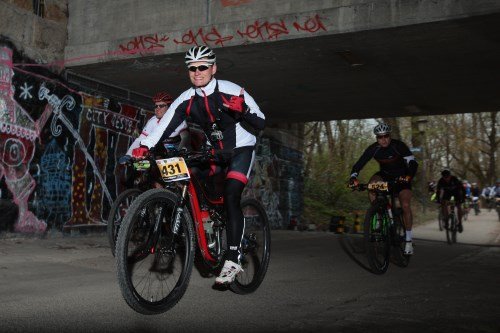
(451, 231)
(398, 241)
(376, 239)
(256, 248)
(117, 213)
(153, 276)
(440, 219)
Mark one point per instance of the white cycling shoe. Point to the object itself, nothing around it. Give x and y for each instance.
(408, 248)
(228, 272)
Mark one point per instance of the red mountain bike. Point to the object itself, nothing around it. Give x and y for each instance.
(163, 227)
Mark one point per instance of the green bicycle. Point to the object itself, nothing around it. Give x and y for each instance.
(384, 231)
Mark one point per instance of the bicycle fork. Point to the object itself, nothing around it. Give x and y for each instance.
(179, 211)
(175, 226)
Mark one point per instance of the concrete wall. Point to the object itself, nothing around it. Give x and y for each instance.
(40, 38)
(108, 30)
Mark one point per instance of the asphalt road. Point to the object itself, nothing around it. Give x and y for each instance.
(317, 282)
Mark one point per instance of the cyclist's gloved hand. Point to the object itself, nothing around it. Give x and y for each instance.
(125, 159)
(236, 103)
(404, 179)
(353, 182)
(140, 152)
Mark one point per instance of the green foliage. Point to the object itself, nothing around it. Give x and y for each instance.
(326, 193)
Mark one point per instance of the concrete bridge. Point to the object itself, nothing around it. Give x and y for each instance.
(302, 60)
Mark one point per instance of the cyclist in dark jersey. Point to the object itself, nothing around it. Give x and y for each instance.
(450, 186)
(230, 117)
(397, 163)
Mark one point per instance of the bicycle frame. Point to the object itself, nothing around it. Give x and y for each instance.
(386, 204)
(197, 218)
(190, 193)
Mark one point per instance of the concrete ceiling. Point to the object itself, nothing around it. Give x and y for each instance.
(433, 68)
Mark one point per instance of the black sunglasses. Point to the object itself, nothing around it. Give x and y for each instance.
(157, 106)
(201, 68)
(383, 136)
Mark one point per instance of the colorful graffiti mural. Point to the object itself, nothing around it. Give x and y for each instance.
(61, 175)
(18, 133)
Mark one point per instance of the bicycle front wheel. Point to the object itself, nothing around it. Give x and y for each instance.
(117, 213)
(376, 239)
(153, 264)
(255, 248)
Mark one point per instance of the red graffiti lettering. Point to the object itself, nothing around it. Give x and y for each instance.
(141, 43)
(227, 3)
(313, 24)
(200, 37)
(264, 30)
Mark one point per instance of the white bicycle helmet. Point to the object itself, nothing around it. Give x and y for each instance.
(382, 129)
(200, 53)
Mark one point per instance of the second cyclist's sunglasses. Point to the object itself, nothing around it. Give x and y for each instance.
(383, 136)
(201, 68)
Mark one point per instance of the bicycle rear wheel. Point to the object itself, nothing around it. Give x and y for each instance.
(440, 219)
(255, 248)
(454, 230)
(398, 242)
(451, 231)
(153, 264)
(376, 239)
(117, 213)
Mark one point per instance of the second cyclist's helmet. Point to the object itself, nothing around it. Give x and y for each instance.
(163, 97)
(382, 128)
(200, 53)
(445, 173)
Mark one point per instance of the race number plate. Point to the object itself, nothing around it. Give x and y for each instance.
(173, 169)
(381, 186)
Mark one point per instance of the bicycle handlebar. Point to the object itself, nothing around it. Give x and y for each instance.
(379, 186)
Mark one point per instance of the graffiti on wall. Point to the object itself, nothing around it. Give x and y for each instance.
(277, 182)
(18, 132)
(228, 3)
(258, 30)
(60, 169)
(107, 135)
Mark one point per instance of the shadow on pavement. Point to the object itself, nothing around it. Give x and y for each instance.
(455, 244)
(353, 246)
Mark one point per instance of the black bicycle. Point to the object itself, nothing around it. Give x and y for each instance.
(138, 181)
(384, 230)
(450, 223)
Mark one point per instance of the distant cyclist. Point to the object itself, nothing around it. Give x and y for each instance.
(397, 163)
(488, 196)
(450, 186)
(468, 199)
(475, 193)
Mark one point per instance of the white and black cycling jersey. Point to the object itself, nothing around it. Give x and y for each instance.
(204, 107)
(150, 128)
